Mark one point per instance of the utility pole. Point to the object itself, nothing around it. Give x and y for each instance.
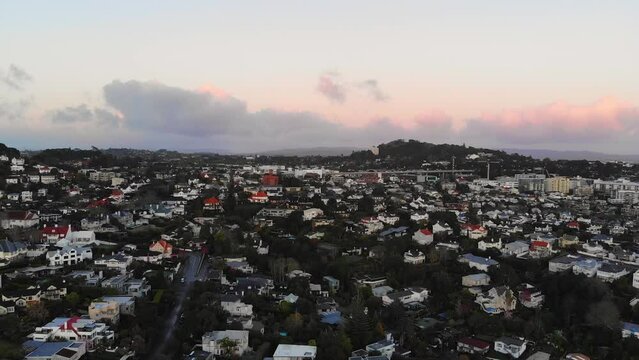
(453, 168)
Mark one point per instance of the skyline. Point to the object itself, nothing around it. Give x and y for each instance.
(249, 76)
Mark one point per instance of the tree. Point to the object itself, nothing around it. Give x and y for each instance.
(73, 298)
(37, 312)
(359, 326)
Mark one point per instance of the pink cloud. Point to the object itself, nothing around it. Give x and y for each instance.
(559, 121)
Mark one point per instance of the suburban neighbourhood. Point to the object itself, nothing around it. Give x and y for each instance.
(405, 251)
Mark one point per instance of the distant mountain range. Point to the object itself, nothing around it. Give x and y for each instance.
(573, 155)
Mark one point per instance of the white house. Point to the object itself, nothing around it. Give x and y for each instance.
(312, 213)
(497, 300)
(510, 346)
(481, 279)
(423, 237)
(635, 280)
(234, 306)
(85, 330)
(69, 255)
(414, 257)
(295, 352)
(214, 342)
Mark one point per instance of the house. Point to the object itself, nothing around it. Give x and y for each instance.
(55, 350)
(234, 306)
(68, 255)
(312, 213)
(385, 347)
(423, 237)
(11, 251)
(294, 352)
(332, 283)
(629, 329)
(78, 238)
(18, 219)
(563, 263)
(414, 257)
(259, 197)
(7, 307)
(163, 247)
(23, 298)
(473, 231)
(510, 346)
(481, 279)
(586, 267)
(515, 248)
(635, 280)
(406, 297)
(440, 228)
(392, 233)
(477, 262)
(568, 240)
(85, 330)
(497, 300)
(90, 277)
(531, 297)
(485, 244)
(53, 234)
(610, 272)
(126, 303)
(229, 342)
(471, 345)
(118, 262)
(108, 311)
(212, 204)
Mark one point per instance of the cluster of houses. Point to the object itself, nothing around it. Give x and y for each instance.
(58, 227)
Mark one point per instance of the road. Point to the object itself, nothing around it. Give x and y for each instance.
(190, 274)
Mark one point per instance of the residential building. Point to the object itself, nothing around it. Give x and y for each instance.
(229, 342)
(423, 237)
(510, 346)
(497, 300)
(294, 352)
(79, 329)
(108, 311)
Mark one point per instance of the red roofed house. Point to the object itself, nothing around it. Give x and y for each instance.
(162, 246)
(270, 180)
(98, 203)
(53, 234)
(474, 232)
(472, 346)
(212, 203)
(573, 225)
(117, 195)
(423, 237)
(259, 197)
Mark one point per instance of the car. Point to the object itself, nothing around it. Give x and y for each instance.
(182, 280)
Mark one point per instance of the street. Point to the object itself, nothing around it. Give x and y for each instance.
(190, 274)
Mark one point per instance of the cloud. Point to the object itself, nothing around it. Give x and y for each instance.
(330, 86)
(15, 78)
(83, 114)
(213, 114)
(558, 122)
(372, 89)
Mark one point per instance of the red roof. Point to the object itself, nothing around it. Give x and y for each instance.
(539, 243)
(163, 243)
(426, 232)
(573, 224)
(55, 230)
(117, 192)
(473, 227)
(260, 194)
(211, 201)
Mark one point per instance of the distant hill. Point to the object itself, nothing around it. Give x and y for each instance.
(9, 151)
(313, 151)
(573, 155)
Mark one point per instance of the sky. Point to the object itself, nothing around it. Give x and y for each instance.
(243, 76)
